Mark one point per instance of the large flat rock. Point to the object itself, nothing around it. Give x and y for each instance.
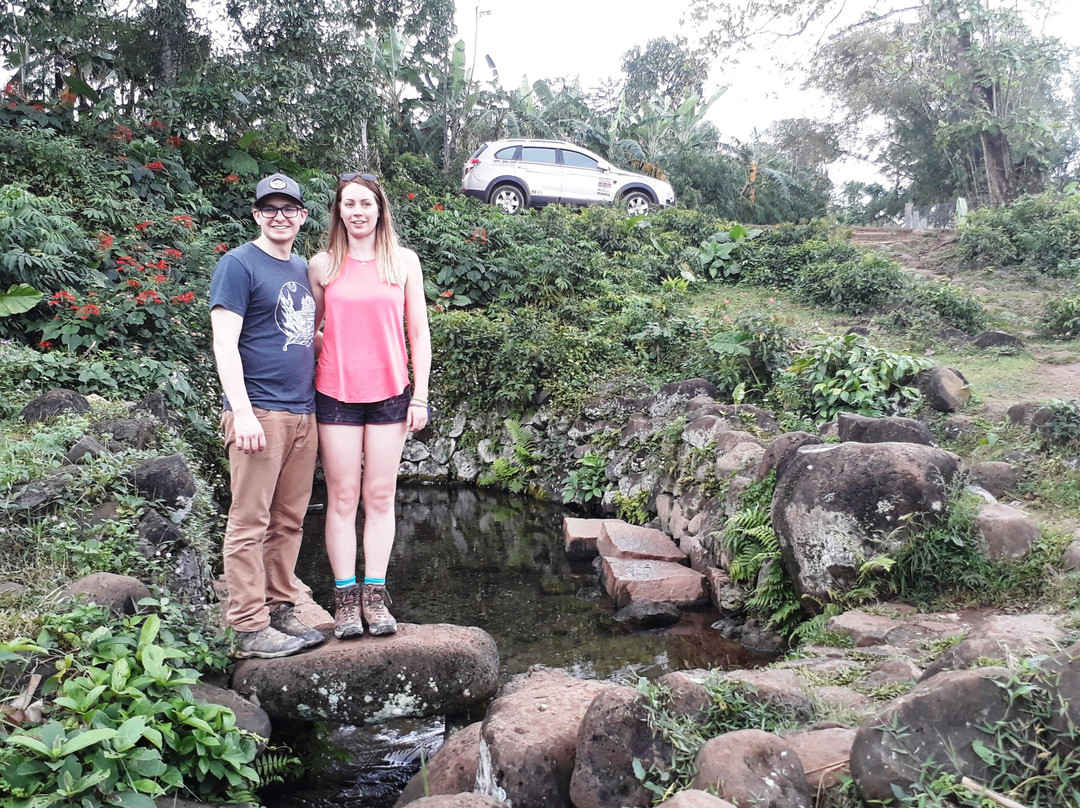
(423, 670)
(628, 580)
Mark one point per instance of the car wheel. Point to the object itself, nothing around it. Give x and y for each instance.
(508, 198)
(637, 203)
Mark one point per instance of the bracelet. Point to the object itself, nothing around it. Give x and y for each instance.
(418, 405)
(415, 400)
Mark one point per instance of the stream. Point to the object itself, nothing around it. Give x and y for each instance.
(487, 559)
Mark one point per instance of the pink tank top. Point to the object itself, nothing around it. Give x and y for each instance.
(363, 357)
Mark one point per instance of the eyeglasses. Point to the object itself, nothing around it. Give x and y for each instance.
(352, 175)
(288, 211)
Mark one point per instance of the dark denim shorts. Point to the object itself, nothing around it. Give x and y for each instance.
(391, 411)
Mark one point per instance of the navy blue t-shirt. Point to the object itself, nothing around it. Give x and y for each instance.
(278, 336)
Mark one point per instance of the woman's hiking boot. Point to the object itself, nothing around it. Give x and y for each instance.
(376, 615)
(347, 622)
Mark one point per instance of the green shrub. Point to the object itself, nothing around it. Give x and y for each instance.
(691, 226)
(778, 258)
(847, 373)
(121, 727)
(1059, 424)
(1061, 317)
(1037, 232)
(853, 287)
(718, 256)
(40, 244)
(941, 299)
(588, 482)
(751, 352)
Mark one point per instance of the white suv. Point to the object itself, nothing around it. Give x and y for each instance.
(515, 174)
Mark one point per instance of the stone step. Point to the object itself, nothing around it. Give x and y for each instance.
(619, 539)
(628, 580)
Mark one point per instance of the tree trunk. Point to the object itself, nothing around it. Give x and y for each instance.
(1000, 172)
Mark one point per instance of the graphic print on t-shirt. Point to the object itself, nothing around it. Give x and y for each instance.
(296, 315)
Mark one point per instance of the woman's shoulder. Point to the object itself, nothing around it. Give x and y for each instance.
(319, 263)
(408, 257)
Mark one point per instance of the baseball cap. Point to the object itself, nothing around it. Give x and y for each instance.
(278, 184)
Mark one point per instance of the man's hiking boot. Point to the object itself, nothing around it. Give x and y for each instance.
(284, 619)
(347, 621)
(376, 615)
(266, 643)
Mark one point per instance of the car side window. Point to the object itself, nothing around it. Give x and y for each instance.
(509, 153)
(534, 154)
(578, 160)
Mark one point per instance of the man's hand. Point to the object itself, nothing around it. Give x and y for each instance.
(250, 437)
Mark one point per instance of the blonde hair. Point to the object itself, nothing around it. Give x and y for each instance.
(387, 247)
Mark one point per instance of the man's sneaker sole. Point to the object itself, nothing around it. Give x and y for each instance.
(266, 654)
(379, 631)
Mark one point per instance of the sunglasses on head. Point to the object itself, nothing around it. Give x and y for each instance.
(352, 175)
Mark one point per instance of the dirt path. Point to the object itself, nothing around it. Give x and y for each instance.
(933, 253)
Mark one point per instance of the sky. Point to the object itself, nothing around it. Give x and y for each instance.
(587, 39)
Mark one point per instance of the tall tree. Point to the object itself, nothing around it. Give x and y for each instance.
(667, 67)
(968, 93)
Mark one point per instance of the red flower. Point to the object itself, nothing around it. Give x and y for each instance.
(222, 247)
(156, 165)
(63, 296)
(12, 105)
(122, 133)
(44, 343)
(231, 178)
(174, 141)
(184, 219)
(9, 89)
(156, 124)
(187, 297)
(439, 307)
(88, 310)
(141, 226)
(68, 98)
(173, 254)
(437, 207)
(447, 293)
(147, 296)
(411, 195)
(106, 241)
(134, 284)
(479, 235)
(38, 107)
(159, 264)
(159, 278)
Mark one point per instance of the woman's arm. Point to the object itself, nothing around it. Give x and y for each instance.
(317, 268)
(416, 326)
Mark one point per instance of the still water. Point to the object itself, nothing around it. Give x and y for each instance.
(490, 560)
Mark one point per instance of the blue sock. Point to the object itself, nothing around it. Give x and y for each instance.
(342, 583)
(376, 581)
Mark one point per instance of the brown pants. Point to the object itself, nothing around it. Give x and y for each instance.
(270, 493)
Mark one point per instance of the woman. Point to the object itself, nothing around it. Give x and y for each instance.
(370, 291)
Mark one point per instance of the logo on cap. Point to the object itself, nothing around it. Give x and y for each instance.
(277, 183)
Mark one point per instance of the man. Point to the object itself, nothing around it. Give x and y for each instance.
(263, 318)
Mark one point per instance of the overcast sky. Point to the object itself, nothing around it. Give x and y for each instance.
(587, 39)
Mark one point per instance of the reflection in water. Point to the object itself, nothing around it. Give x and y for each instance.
(485, 559)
